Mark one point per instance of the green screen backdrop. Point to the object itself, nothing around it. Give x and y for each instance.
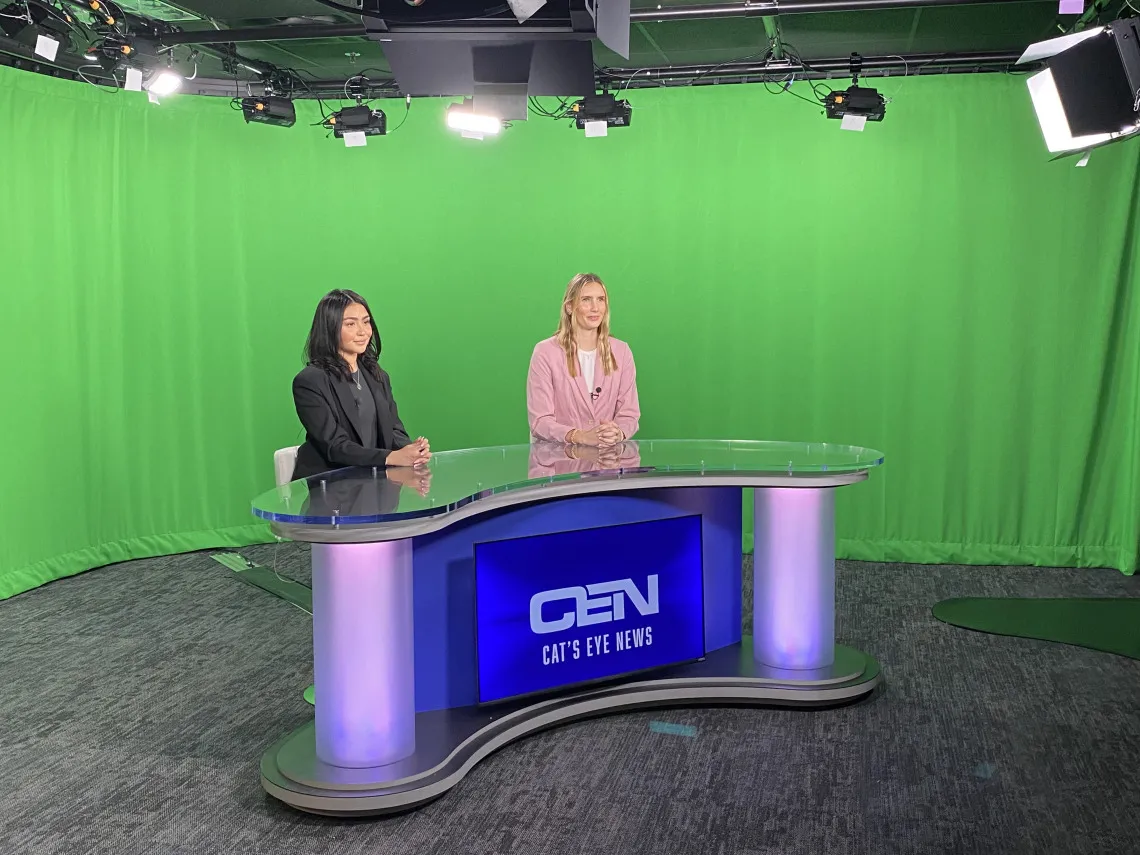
(932, 287)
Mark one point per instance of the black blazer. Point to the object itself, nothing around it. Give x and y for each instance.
(328, 411)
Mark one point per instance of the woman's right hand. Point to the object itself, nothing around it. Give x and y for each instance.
(415, 454)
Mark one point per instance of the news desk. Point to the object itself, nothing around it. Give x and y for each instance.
(506, 590)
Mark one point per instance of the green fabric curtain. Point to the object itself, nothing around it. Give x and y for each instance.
(932, 287)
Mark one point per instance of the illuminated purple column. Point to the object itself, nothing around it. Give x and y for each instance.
(793, 595)
(363, 665)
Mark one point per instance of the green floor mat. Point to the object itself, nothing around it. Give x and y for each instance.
(1111, 625)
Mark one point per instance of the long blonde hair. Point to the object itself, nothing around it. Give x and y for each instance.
(566, 325)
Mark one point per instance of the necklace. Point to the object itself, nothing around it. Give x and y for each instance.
(356, 379)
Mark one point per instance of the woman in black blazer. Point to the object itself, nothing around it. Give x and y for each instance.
(344, 398)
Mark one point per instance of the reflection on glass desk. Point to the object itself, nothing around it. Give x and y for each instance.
(455, 478)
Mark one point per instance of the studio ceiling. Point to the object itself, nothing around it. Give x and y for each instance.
(921, 36)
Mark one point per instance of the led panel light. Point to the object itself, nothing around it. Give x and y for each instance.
(460, 117)
(1051, 116)
(165, 83)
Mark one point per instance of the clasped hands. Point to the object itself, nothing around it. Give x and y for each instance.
(415, 453)
(408, 467)
(603, 436)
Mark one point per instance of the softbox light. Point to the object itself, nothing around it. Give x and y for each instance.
(1089, 90)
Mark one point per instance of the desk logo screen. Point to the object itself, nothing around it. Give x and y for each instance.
(557, 610)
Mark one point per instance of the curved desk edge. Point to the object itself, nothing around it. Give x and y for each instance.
(400, 529)
(731, 687)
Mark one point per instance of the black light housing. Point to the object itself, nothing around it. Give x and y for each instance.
(597, 113)
(856, 105)
(856, 101)
(270, 110)
(360, 119)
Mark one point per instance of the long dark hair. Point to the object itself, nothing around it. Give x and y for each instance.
(322, 347)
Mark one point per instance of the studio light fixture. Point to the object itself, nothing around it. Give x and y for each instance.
(463, 118)
(269, 110)
(596, 114)
(355, 124)
(855, 105)
(163, 83)
(1088, 93)
(145, 65)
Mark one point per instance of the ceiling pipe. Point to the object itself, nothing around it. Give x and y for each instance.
(818, 68)
(763, 8)
(261, 34)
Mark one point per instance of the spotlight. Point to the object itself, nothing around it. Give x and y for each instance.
(1087, 94)
(596, 114)
(463, 118)
(856, 105)
(355, 124)
(165, 82)
(269, 111)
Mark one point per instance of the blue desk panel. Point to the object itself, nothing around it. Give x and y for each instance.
(446, 673)
(557, 610)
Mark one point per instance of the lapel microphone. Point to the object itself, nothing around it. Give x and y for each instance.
(594, 395)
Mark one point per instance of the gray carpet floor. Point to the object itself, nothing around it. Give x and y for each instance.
(138, 698)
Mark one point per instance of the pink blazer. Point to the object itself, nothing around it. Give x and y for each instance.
(557, 403)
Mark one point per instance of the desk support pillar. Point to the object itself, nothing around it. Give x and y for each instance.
(793, 591)
(363, 666)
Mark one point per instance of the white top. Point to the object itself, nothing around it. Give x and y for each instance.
(586, 359)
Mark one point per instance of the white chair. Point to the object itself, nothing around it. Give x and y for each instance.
(284, 460)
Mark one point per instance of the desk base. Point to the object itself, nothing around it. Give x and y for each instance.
(450, 742)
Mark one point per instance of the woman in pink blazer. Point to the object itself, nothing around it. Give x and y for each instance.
(582, 384)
